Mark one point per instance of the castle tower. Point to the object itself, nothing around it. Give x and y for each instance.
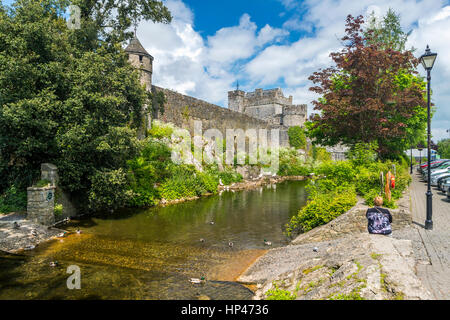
(236, 100)
(142, 60)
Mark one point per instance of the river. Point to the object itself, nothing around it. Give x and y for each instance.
(152, 253)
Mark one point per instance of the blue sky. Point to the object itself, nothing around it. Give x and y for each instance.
(211, 44)
(280, 43)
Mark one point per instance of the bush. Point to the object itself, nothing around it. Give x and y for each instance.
(58, 210)
(297, 137)
(186, 182)
(279, 294)
(161, 130)
(13, 200)
(340, 171)
(109, 190)
(321, 209)
(363, 153)
(229, 176)
(151, 167)
(291, 164)
(320, 154)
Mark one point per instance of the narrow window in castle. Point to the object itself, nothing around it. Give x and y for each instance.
(140, 59)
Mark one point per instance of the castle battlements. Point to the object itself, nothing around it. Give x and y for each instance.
(261, 109)
(269, 105)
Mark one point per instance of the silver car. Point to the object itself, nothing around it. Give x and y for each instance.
(438, 174)
(446, 188)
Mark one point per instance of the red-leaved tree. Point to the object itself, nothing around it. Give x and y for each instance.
(369, 96)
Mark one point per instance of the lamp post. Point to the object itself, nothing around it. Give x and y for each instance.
(411, 171)
(420, 155)
(427, 61)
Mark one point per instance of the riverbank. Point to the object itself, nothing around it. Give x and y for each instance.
(17, 233)
(239, 186)
(341, 260)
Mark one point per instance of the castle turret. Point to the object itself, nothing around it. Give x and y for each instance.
(236, 100)
(142, 60)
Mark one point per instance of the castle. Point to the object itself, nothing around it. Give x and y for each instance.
(268, 105)
(262, 109)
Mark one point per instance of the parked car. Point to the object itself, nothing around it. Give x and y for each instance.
(446, 187)
(438, 173)
(441, 180)
(423, 166)
(435, 168)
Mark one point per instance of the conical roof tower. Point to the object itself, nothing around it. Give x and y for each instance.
(141, 59)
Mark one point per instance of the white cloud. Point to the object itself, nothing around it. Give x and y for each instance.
(187, 63)
(208, 67)
(293, 63)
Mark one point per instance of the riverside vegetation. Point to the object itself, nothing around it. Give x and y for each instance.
(335, 190)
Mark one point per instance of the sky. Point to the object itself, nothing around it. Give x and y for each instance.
(212, 44)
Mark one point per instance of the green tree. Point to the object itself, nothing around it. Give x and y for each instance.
(64, 102)
(108, 21)
(372, 95)
(388, 32)
(444, 148)
(297, 137)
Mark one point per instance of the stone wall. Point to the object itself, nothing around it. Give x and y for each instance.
(40, 205)
(183, 110)
(268, 105)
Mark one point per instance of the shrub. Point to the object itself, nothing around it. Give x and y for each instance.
(161, 130)
(150, 167)
(229, 176)
(108, 190)
(13, 200)
(186, 182)
(320, 154)
(297, 137)
(362, 153)
(279, 294)
(291, 164)
(321, 209)
(58, 209)
(340, 171)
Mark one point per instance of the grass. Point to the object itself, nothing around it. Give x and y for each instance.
(309, 270)
(42, 183)
(375, 256)
(279, 294)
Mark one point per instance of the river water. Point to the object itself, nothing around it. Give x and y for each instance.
(152, 253)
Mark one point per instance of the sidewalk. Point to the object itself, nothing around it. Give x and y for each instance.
(436, 276)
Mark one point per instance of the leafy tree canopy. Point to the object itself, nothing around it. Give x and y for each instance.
(444, 148)
(387, 32)
(372, 95)
(65, 102)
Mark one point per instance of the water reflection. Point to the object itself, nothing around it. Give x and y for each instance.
(152, 254)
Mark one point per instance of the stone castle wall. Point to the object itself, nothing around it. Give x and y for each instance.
(183, 110)
(144, 64)
(268, 105)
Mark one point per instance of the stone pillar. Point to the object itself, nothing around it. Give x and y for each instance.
(49, 172)
(41, 204)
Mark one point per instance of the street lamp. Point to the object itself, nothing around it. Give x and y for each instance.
(427, 61)
(411, 162)
(420, 155)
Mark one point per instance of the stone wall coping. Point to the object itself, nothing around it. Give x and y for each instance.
(41, 188)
